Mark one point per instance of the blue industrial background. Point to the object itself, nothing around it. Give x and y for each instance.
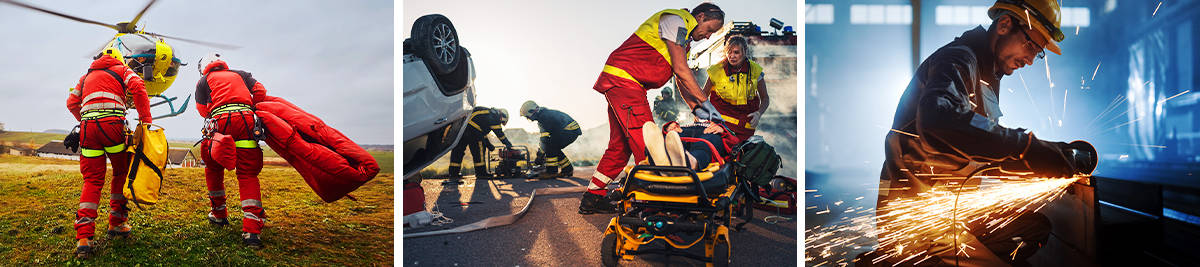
(1125, 82)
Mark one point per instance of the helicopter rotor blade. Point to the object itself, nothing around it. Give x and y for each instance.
(204, 43)
(88, 21)
(101, 48)
(139, 14)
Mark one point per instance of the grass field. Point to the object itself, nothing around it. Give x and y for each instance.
(40, 197)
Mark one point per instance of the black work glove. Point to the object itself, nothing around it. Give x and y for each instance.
(489, 146)
(72, 140)
(1055, 159)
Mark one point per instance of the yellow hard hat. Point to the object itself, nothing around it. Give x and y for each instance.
(1041, 15)
(527, 108)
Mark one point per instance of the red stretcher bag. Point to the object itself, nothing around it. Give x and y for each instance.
(331, 164)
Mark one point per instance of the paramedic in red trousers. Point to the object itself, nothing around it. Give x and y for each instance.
(223, 99)
(736, 88)
(651, 56)
(99, 102)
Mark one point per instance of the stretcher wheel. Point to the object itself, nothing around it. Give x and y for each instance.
(721, 254)
(608, 250)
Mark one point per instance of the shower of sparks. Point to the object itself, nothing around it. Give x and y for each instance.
(1047, 62)
(1097, 70)
(1112, 105)
(1119, 126)
(1150, 146)
(1030, 24)
(905, 133)
(1152, 14)
(905, 227)
(1076, 29)
(1028, 94)
(1064, 114)
(1176, 95)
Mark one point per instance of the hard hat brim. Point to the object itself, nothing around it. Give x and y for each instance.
(1037, 26)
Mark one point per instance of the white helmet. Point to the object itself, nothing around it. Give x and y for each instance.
(503, 115)
(208, 59)
(527, 108)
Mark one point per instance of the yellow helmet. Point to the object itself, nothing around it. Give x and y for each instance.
(1044, 16)
(527, 108)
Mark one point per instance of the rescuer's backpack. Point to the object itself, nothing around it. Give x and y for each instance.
(755, 161)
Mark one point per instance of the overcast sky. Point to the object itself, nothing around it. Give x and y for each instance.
(332, 58)
(552, 51)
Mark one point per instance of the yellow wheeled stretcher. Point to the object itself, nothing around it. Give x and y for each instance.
(677, 206)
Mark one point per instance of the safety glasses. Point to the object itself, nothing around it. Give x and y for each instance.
(1033, 46)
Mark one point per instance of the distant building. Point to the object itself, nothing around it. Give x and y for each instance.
(182, 158)
(56, 149)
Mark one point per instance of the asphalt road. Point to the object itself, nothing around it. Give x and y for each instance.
(552, 233)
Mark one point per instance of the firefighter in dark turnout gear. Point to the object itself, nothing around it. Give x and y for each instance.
(482, 121)
(947, 125)
(557, 130)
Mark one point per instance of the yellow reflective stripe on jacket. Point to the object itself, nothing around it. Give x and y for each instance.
(452, 164)
(649, 33)
(572, 126)
(545, 134)
(245, 144)
(91, 153)
(737, 90)
(471, 119)
(615, 71)
(496, 127)
(735, 121)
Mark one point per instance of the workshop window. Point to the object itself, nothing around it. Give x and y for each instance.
(881, 14)
(818, 13)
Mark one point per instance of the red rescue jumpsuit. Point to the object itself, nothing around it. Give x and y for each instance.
(639, 64)
(98, 102)
(223, 99)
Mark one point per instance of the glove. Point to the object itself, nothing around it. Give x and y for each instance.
(489, 146)
(754, 118)
(706, 111)
(72, 140)
(1055, 159)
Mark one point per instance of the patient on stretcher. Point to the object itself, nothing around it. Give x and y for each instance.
(665, 147)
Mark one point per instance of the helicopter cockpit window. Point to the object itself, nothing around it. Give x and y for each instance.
(174, 68)
(139, 54)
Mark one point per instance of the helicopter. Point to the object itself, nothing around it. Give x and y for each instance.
(159, 67)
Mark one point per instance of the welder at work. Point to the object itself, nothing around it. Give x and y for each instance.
(946, 129)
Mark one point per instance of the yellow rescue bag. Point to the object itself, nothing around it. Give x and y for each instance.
(149, 159)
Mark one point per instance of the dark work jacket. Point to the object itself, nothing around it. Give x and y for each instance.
(555, 122)
(952, 106)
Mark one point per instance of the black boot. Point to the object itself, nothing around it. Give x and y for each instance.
(567, 171)
(251, 240)
(593, 203)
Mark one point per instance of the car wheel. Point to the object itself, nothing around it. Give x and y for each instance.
(456, 80)
(436, 41)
